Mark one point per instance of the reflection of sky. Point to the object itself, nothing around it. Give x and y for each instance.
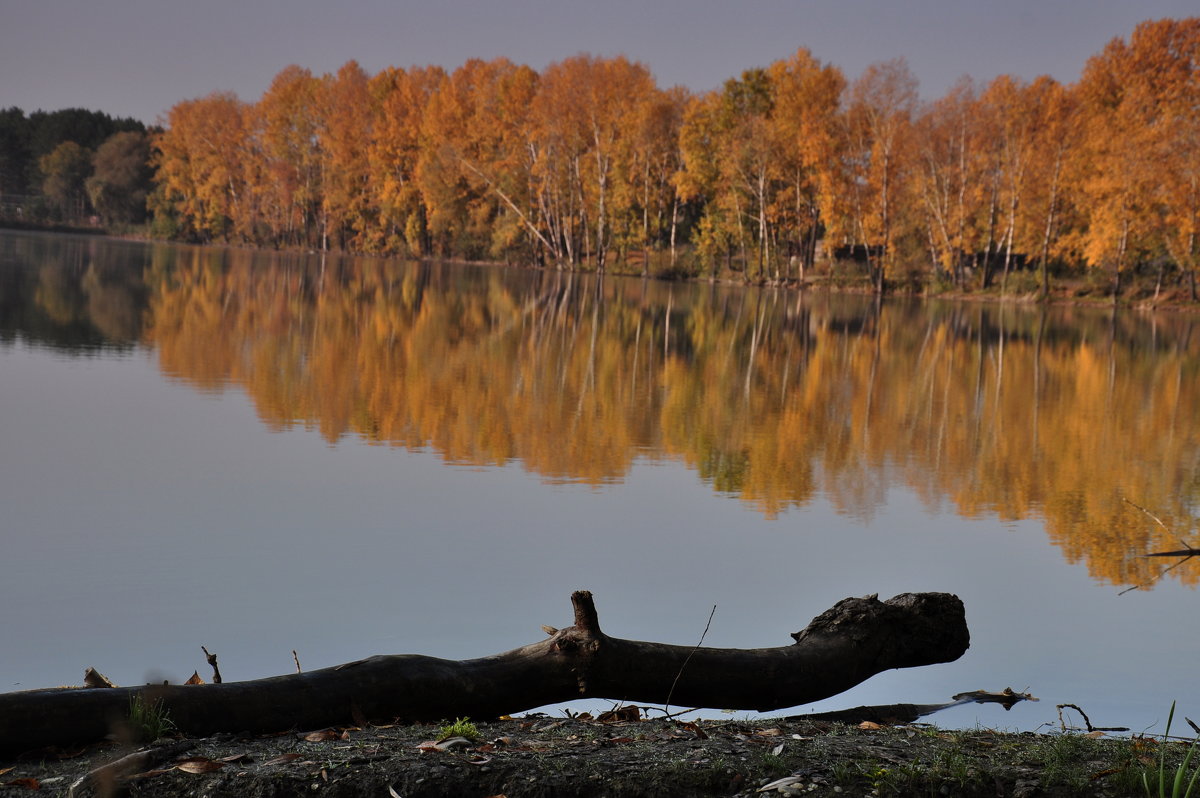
(142, 520)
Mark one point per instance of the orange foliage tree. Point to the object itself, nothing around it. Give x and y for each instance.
(589, 163)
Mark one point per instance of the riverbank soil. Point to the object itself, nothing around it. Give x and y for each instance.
(546, 756)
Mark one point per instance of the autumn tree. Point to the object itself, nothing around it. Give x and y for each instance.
(201, 165)
(878, 124)
(1009, 108)
(400, 98)
(733, 156)
(945, 177)
(474, 166)
(121, 178)
(346, 127)
(1138, 100)
(288, 123)
(1056, 138)
(1166, 62)
(66, 171)
(582, 118)
(805, 122)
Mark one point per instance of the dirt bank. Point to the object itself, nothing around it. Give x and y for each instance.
(546, 756)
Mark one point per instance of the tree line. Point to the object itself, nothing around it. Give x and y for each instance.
(789, 172)
(66, 166)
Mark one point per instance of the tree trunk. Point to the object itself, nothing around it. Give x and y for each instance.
(842, 647)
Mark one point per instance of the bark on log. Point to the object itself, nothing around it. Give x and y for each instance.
(853, 640)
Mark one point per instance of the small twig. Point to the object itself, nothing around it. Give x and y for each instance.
(1086, 721)
(671, 692)
(671, 715)
(212, 660)
(1159, 575)
(1192, 723)
(297, 658)
(1157, 520)
(1187, 553)
(107, 779)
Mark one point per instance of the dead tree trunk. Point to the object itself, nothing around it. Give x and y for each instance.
(843, 646)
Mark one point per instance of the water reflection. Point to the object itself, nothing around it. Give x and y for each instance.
(770, 396)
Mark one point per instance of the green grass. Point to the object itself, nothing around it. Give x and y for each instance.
(1176, 779)
(149, 719)
(461, 727)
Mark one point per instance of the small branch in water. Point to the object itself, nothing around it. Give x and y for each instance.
(891, 714)
(671, 692)
(1157, 520)
(297, 659)
(1086, 721)
(1187, 552)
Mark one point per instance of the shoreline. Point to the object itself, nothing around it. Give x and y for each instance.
(539, 755)
(1065, 295)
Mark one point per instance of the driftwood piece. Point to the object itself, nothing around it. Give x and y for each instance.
(105, 779)
(889, 714)
(843, 646)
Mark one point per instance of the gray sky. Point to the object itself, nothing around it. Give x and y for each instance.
(139, 57)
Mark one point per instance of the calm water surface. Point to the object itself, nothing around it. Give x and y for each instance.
(343, 457)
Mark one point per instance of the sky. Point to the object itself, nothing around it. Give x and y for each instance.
(139, 57)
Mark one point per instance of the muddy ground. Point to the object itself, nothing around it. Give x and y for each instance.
(546, 756)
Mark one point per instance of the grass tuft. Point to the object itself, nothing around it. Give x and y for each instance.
(461, 727)
(149, 719)
(1176, 779)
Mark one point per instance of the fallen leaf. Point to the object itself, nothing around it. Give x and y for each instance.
(777, 750)
(1094, 734)
(345, 735)
(195, 678)
(620, 715)
(392, 792)
(868, 725)
(322, 736)
(769, 732)
(27, 783)
(199, 764)
(479, 760)
(5, 770)
(282, 758)
(242, 757)
(94, 678)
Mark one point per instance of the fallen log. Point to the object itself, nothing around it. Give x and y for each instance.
(843, 646)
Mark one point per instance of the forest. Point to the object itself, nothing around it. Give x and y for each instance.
(789, 173)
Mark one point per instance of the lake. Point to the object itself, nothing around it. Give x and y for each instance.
(264, 453)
